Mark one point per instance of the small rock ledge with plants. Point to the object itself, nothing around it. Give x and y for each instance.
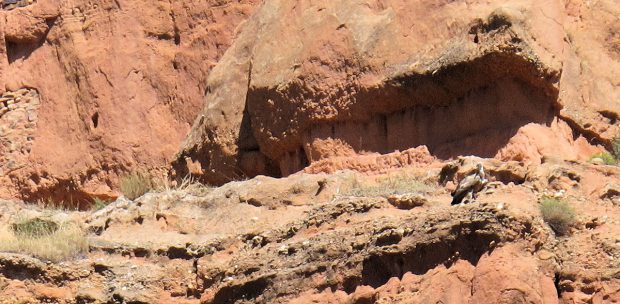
(540, 233)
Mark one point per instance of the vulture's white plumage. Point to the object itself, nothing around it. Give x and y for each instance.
(470, 185)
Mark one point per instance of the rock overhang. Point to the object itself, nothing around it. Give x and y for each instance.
(320, 91)
(496, 68)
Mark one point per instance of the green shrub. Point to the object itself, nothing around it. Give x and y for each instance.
(612, 157)
(98, 204)
(607, 158)
(34, 228)
(136, 184)
(558, 214)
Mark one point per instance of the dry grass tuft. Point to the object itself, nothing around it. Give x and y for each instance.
(558, 214)
(399, 183)
(136, 184)
(58, 205)
(44, 239)
(187, 185)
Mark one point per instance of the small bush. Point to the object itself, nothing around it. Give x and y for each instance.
(296, 189)
(607, 158)
(44, 239)
(558, 214)
(136, 184)
(34, 228)
(98, 204)
(392, 184)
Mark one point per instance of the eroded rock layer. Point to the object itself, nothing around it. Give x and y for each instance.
(338, 238)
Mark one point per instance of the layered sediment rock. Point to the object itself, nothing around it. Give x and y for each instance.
(324, 238)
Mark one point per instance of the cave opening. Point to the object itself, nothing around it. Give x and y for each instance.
(16, 50)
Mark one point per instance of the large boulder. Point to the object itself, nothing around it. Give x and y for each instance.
(307, 81)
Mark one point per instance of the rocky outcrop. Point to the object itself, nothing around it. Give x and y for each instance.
(304, 239)
(494, 79)
(119, 84)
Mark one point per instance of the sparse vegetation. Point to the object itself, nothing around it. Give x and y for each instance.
(43, 238)
(34, 228)
(188, 185)
(297, 189)
(99, 204)
(51, 204)
(558, 214)
(607, 158)
(136, 184)
(612, 157)
(399, 183)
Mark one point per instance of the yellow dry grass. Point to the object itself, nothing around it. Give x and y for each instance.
(395, 183)
(186, 185)
(136, 184)
(65, 242)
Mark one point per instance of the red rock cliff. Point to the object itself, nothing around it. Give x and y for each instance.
(309, 81)
(119, 84)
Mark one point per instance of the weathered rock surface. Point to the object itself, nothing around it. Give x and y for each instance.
(119, 83)
(516, 80)
(94, 89)
(302, 240)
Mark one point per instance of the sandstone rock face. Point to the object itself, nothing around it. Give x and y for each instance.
(308, 89)
(515, 80)
(119, 83)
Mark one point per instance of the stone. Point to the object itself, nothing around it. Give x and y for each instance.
(269, 101)
(407, 201)
(610, 191)
(498, 281)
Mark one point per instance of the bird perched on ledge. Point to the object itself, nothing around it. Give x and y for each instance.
(469, 186)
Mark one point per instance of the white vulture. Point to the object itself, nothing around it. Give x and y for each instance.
(469, 186)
